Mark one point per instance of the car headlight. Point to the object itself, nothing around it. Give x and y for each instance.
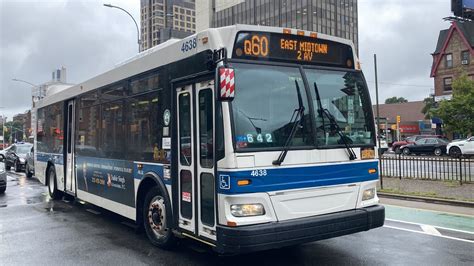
(244, 210)
(22, 160)
(368, 194)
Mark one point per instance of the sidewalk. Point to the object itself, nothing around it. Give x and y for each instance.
(427, 188)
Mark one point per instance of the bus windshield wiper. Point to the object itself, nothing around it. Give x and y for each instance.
(296, 119)
(325, 112)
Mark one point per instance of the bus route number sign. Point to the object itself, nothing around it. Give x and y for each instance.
(287, 47)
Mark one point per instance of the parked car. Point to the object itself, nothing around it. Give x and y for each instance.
(4, 151)
(3, 175)
(396, 146)
(458, 148)
(30, 163)
(16, 156)
(434, 146)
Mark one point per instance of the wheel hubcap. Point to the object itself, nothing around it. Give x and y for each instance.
(157, 216)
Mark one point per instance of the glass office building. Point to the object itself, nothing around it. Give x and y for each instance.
(332, 17)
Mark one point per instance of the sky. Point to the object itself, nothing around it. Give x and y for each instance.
(37, 37)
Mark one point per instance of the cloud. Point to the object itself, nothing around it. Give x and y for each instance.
(403, 34)
(38, 37)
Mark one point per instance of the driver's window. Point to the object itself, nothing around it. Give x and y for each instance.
(420, 141)
(431, 141)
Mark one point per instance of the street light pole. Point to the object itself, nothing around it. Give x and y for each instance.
(136, 24)
(3, 129)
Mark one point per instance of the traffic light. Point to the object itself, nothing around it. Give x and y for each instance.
(398, 119)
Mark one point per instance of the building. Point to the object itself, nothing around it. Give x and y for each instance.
(412, 120)
(333, 17)
(165, 19)
(453, 56)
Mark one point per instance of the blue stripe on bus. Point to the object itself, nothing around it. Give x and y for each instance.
(56, 158)
(296, 177)
(147, 168)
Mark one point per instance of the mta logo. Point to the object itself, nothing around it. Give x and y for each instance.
(224, 182)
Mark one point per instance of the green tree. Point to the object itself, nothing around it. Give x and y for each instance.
(395, 99)
(458, 113)
(429, 106)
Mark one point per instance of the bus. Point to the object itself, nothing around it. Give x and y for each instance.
(244, 138)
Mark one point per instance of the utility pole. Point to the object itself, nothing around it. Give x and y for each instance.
(378, 113)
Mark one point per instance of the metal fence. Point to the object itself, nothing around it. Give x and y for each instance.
(432, 168)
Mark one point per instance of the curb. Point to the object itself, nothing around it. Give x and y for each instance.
(426, 199)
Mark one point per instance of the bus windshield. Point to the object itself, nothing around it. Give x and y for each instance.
(344, 96)
(266, 98)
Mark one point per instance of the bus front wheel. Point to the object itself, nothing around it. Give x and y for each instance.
(156, 221)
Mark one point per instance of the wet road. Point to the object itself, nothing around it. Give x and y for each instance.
(35, 230)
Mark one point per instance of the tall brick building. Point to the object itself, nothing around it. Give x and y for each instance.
(453, 56)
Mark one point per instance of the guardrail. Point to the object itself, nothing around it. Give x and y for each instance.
(431, 168)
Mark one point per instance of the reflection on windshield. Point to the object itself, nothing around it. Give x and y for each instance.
(265, 102)
(343, 95)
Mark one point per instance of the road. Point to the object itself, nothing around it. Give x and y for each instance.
(432, 167)
(35, 230)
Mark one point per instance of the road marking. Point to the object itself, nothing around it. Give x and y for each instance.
(440, 227)
(428, 210)
(430, 230)
(424, 233)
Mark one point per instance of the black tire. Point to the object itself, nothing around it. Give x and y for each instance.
(406, 151)
(397, 150)
(29, 174)
(2, 189)
(8, 167)
(438, 152)
(17, 166)
(455, 152)
(54, 193)
(154, 204)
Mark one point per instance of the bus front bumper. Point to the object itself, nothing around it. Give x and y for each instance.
(234, 240)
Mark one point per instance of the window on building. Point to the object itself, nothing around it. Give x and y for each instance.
(447, 84)
(465, 57)
(449, 61)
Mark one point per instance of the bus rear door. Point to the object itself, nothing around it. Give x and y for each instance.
(196, 181)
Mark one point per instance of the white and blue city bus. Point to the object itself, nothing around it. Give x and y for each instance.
(244, 138)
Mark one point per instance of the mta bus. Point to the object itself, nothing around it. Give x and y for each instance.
(244, 138)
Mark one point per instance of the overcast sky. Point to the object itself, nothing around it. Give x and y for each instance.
(37, 37)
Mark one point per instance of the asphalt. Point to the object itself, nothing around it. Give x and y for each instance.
(37, 231)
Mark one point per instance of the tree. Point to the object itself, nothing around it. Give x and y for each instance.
(394, 99)
(429, 106)
(458, 113)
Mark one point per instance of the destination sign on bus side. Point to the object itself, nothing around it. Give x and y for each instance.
(286, 47)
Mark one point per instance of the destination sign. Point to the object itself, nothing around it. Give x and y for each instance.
(295, 48)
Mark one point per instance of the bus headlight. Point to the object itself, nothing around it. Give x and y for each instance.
(368, 194)
(244, 210)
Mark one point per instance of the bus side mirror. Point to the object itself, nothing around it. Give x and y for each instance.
(226, 83)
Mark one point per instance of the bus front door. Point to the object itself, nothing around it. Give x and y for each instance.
(70, 169)
(196, 181)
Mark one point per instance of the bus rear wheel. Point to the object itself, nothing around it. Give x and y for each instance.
(156, 219)
(54, 193)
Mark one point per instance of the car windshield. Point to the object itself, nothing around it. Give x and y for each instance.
(266, 99)
(344, 95)
(23, 149)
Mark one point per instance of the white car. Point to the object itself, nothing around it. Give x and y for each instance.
(461, 147)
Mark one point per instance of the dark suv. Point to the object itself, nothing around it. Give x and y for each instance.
(16, 156)
(411, 139)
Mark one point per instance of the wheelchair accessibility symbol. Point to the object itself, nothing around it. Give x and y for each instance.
(224, 182)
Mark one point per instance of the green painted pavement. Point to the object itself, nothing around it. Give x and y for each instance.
(442, 219)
